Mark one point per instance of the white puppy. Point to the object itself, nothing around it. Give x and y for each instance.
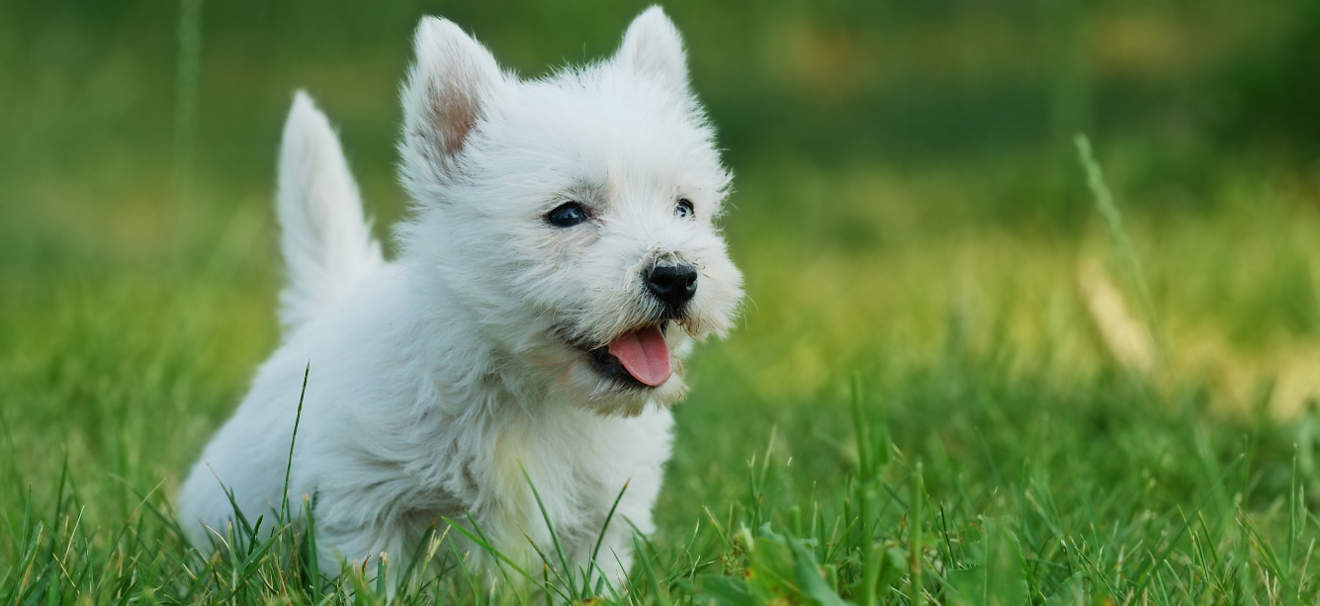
(561, 257)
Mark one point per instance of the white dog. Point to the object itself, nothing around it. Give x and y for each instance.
(561, 258)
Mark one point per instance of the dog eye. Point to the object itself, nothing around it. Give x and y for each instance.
(684, 208)
(567, 214)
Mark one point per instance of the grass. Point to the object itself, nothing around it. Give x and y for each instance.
(960, 454)
(964, 482)
(1048, 472)
(917, 407)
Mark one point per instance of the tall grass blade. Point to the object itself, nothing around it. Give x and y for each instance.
(186, 94)
(545, 516)
(1104, 202)
(917, 499)
(293, 439)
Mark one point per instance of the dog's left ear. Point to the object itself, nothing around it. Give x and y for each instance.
(653, 48)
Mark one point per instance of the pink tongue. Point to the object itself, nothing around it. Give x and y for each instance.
(644, 355)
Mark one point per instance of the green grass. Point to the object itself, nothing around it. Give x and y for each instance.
(966, 478)
(989, 452)
(916, 407)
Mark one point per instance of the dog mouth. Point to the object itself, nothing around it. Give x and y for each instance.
(639, 357)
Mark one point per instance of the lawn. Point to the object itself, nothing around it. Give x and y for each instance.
(963, 373)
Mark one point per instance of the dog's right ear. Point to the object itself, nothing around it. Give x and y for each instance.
(448, 88)
(653, 47)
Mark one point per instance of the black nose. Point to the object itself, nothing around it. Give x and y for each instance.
(672, 284)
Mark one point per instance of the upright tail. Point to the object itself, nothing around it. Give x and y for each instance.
(326, 241)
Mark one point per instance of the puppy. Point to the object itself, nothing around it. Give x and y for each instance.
(561, 258)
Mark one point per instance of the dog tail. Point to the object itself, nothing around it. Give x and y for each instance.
(325, 238)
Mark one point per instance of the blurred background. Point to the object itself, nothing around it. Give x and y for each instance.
(906, 182)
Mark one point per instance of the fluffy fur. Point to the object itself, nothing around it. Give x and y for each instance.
(437, 377)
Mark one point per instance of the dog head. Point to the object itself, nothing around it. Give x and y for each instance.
(573, 215)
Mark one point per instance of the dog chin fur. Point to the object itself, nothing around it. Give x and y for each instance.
(437, 378)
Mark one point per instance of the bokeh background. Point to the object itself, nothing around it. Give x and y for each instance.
(907, 185)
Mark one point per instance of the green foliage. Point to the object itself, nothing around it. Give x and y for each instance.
(914, 409)
(1031, 487)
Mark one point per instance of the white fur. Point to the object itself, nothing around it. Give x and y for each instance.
(326, 242)
(437, 377)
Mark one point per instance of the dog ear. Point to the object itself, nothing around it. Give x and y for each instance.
(653, 48)
(449, 86)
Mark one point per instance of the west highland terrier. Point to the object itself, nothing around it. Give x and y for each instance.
(561, 259)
